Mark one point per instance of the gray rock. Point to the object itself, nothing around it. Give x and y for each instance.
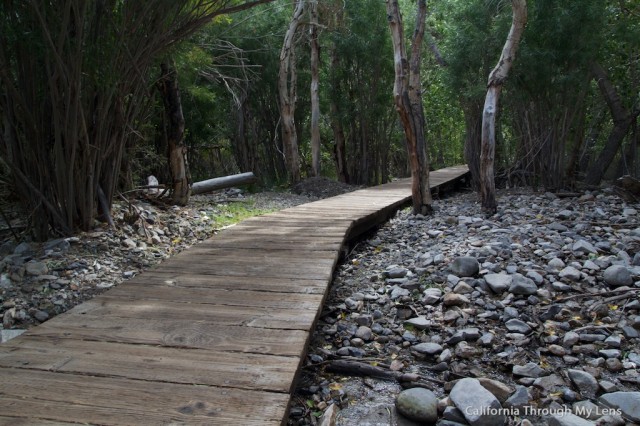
(522, 285)
(517, 326)
(610, 353)
(467, 334)
(617, 276)
(396, 272)
(418, 404)
(498, 283)
(398, 292)
(23, 249)
(567, 419)
(530, 369)
(585, 382)
(60, 244)
(556, 264)
(5, 282)
(421, 323)
(498, 389)
(476, 403)
(429, 348)
(364, 333)
(465, 266)
(519, 399)
(587, 410)
(455, 299)
(36, 268)
(627, 402)
(570, 273)
(465, 351)
(570, 338)
(585, 247)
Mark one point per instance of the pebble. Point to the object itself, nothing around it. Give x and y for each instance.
(585, 382)
(465, 266)
(627, 402)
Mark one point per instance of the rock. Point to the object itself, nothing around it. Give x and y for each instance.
(498, 389)
(396, 272)
(567, 419)
(530, 369)
(5, 282)
(584, 247)
(465, 266)
(418, 404)
(519, 399)
(428, 348)
(398, 292)
(522, 285)
(498, 283)
(570, 339)
(585, 382)
(36, 268)
(23, 249)
(570, 273)
(479, 406)
(454, 299)
(517, 326)
(617, 276)
(60, 244)
(627, 402)
(41, 316)
(420, 323)
(465, 351)
(364, 333)
(556, 264)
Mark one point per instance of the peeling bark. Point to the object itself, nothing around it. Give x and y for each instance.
(287, 80)
(496, 80)
(407, 95)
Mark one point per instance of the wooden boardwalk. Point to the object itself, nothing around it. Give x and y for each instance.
(215, 335)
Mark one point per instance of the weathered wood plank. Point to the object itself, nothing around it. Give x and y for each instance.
(113, 401)
(223, 282)
(108, 307)
(218, 297)
(159, 364)
(176, 333)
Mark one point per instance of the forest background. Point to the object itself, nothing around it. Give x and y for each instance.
(87, 111)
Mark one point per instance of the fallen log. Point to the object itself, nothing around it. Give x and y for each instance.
(215, 184)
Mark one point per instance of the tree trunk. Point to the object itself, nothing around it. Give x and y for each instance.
(407, 94)
(174, 130)
(315, 84)
(622, 119)
(496, 80)
(287, 79)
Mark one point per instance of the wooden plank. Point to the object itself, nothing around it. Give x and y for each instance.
(273, 242)
(176, 333)
(20, 421)
(105, 306)
(159, 364)
(258, 284)
(134, 290)
(248, 269)
(259, 254)
(113, 401)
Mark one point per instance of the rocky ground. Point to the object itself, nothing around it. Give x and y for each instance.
(456, 318)
(530, 316)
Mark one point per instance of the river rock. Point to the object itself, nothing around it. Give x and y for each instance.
(429, 348)
(498, 283)
(585, 382)
(570, 273)
(627, 402)
(465, 266)
(522, 285)
(418, 404)
(479, 406)
(530, 369)
(567, 419)
(617, 276)
(36, 268)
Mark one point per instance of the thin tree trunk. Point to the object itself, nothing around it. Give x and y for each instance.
(622, 119)
(174, 129)
(315, 84)
(408, 100)
(496, 80)
(287, 79)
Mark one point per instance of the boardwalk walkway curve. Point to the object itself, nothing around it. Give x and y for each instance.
(215, 335)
